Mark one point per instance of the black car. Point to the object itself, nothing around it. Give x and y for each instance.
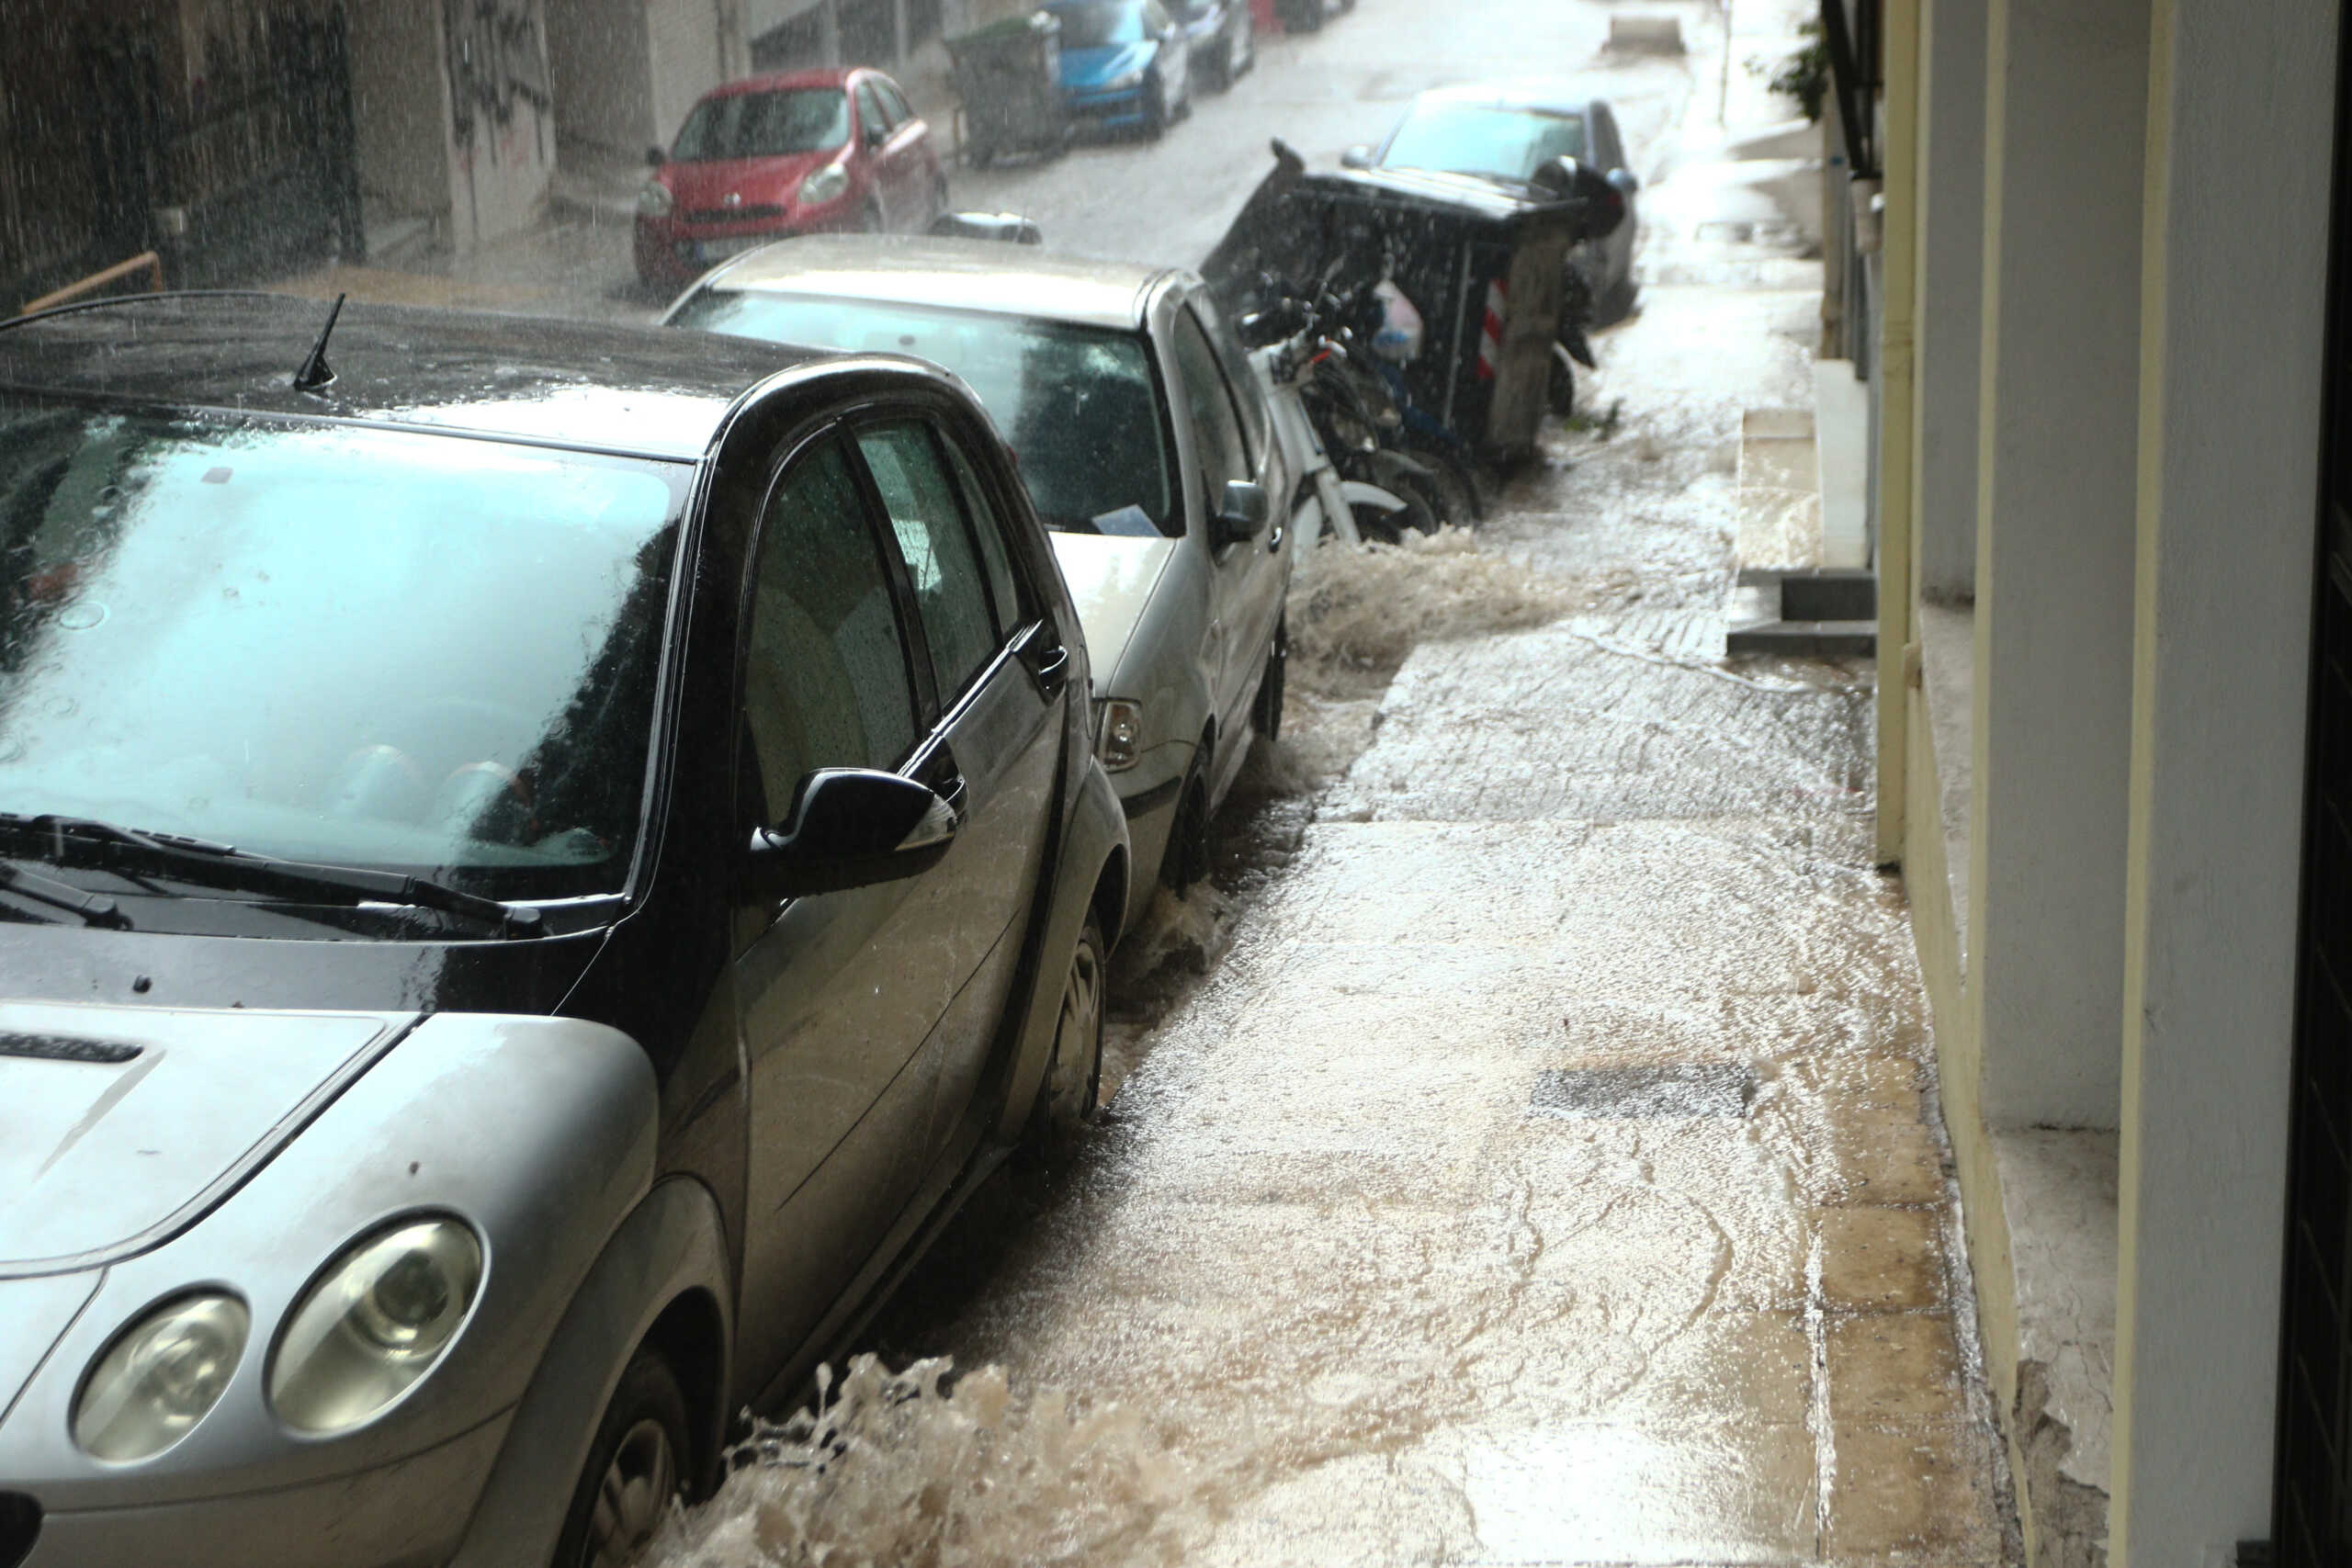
(538, 865)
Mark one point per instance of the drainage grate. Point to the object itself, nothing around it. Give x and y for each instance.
(1689, 1089)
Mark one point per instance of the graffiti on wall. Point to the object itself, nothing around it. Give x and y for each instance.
(498, 64)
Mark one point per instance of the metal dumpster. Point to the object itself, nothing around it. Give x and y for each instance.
(1008, 75)
(1484, 267)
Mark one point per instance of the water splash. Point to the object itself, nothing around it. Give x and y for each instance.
(927, 1469)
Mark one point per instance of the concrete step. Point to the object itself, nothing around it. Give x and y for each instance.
(1803, 639)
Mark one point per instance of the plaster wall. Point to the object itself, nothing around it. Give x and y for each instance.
(2055, 487)
(397, 104)
(1951, 285)
(597, 55)
(2227, 510)
(500, 129)
(694, 47)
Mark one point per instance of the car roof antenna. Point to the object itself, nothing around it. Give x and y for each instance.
(316, 372)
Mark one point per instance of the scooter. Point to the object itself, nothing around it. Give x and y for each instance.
(1293, 369)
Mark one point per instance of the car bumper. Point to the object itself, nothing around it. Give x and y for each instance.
(410, 1513)
(1127, 105)
(1149, 794)
(669, 252)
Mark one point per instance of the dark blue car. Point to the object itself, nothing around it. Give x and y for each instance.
(1125, 64)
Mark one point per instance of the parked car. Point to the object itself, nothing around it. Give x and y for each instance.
(670, 867)
(1143, 434)
(1308, 16)
(1124, 63)
(1223, 37)
(1505, 134)
(804, 152)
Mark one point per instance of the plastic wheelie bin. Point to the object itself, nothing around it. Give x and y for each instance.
(1008, 76)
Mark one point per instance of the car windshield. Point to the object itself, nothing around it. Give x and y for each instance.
(1494, 144)
(1106, 22)
(1078, 404)
(764, 125)
(421, 653)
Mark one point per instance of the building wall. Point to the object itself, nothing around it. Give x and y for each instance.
(688, 55)
(597, 55)
(2227, 520)
(2065, 118)
(400, 104)
(1951, 285)
(501, 125)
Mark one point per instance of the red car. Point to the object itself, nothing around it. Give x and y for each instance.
(810, 152)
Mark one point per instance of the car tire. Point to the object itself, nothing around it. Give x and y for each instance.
(639, 1460)
(1185, 862)
(1304, 16)
(940, 200)
(1072, 1092)
(1155, 109)
(1266, 714)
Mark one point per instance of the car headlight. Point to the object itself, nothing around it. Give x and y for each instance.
(374, 1323)
(1132, 79)
(826, 184)
(159, 1378)
(654, 201)
(1121, 740)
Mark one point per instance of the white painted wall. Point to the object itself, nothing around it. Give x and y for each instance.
(1951, 287)
(2226, 541)
(501, 135)
(597, 51)
(400, 106)
(2057, 482)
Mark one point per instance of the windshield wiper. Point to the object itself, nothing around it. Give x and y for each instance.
(83, 842)
(96, 910)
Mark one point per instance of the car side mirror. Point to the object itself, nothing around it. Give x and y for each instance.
(1599, 204)
(1356, 157)
(1244, 513)
(656, 157)
(1625, 181)
(850, 828)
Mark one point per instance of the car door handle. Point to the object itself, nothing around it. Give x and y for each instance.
(946, 779)
(1051, 667)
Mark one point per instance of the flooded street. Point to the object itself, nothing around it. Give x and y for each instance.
(1529, 1152)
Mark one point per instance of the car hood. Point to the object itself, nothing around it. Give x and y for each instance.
(1099, 67)
(1111, 581)
(121, 1125)
(759, 182)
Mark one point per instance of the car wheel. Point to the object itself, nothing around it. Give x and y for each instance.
(939, 199)
(1072, 1092)
(637, 1464)
(1155, 109)
(1266, 717)
(1186, 859)
(1560, 383)
(1305, 16)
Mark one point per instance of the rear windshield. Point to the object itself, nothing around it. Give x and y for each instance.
(1105, 22)
(764, 125)
(1078, 405)
(1499, 143)
(416, 652)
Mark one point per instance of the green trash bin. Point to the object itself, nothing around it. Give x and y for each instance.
(1008, 76)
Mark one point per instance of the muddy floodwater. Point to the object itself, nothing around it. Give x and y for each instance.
(1527, 1153)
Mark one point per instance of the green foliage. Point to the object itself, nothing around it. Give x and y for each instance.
(1803, 76)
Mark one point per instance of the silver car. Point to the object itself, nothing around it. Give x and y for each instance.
(538, 865)
(1143, 435)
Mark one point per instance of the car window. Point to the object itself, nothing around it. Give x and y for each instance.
(870, 117)
(1478, 138)
(943, 562)
(893, 103)
(1094, 24)
(763, 125)
(359, 646)
(1004, 589)
(825, 681)
(1078, 405)
(1240, 374)
(1215, 424)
